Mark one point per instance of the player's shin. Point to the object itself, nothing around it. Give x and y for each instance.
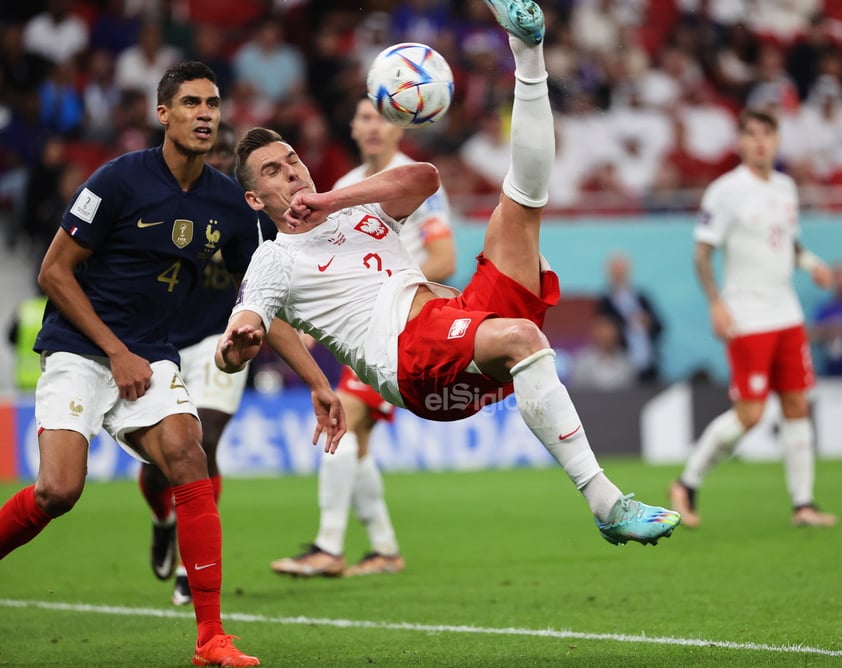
(799, 459)
(21, 519)
(337, 473)
(548, 411)
(717, 441)
(533, 130)
(200, 543)
(370, 507)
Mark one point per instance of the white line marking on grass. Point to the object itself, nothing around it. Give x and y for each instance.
(424, 628)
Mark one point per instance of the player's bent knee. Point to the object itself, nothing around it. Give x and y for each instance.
(56, 499)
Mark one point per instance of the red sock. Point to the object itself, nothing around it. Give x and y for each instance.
(216, 481)
(159, 500)
(21, 519)
(200, 543)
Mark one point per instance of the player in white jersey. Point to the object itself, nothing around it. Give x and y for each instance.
(338, 271)
(350, 479)
(751, 213)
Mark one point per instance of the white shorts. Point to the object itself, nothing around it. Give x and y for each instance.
(210, 387)
(78, 393)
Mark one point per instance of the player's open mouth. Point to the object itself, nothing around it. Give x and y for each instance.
(204, 132)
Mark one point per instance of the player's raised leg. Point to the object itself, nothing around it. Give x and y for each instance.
(511, 240)
(512, 245)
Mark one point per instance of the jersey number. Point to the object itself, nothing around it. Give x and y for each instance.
(170, 275)
(373, 261)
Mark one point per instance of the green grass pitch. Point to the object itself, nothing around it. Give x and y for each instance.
(504, 568)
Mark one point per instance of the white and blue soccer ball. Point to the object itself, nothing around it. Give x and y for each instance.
(411, 84)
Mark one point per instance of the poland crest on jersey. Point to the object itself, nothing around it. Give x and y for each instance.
(372, 226)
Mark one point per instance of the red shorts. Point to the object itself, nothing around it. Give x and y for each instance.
(437, 346)
(776, 361)
(379, 408)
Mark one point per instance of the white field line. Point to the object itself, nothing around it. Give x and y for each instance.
(424, 628)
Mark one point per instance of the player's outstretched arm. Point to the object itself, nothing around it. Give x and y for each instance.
(330, 418)
(240, 342)
(400, 191)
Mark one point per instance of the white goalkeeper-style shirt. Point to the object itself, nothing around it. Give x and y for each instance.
(349, 283)
(755, 222)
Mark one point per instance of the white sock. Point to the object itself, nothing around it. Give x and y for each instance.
(369, 505)
(549, 413)
(533, 130)
(529, 60)
(717, 441)
(337, 473)
(799, 459)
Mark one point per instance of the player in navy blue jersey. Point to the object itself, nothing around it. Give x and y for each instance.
(132, 246)
(195, 331)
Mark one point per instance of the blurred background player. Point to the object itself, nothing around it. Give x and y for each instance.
(350, 478)
(195, 331)
(751, 213)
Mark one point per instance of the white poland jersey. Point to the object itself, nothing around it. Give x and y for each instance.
(348, 282)
(431, 218)
(755, 221)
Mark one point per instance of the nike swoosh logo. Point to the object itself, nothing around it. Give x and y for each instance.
(564, 437)
(182, 401)
(323, 267)
(141, 224)
(203, 566)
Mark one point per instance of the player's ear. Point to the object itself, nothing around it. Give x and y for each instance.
(163, 114)
(253, 200)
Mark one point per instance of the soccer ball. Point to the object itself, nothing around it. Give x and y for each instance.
(410, 84)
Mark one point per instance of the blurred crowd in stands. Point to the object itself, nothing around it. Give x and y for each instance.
(646, 91)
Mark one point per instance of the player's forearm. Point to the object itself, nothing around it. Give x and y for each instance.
(287, 343)
(704, 271)
(408, 182)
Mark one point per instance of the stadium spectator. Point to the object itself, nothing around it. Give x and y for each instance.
(603, 363)
(125, 258)
(826, 328)
(57, 33)
(350, 479)
(20, 70)
(208, 45)
(327, 158)
(415, 342)
(635, 314)
(487, 151)
(752, 214)
(115, 28)
(62, 107)
(101, 97)
(140, 67)
(267, 64)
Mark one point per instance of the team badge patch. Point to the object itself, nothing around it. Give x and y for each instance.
(757, 382)
(86, 205)
(458, 328)
(182, 232)
(372, 226)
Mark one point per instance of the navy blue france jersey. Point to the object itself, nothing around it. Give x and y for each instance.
(150, 242)
(208, 307)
